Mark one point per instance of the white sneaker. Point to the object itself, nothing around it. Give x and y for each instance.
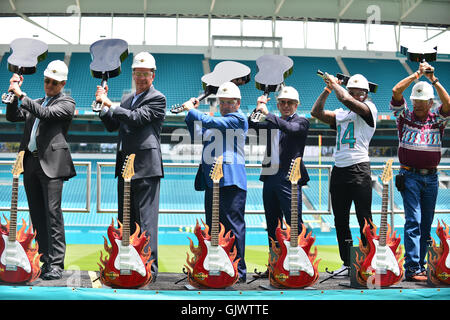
(341, 272)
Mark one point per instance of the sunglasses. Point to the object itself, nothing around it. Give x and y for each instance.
(142, 74)
(289, 103)
(51, 81)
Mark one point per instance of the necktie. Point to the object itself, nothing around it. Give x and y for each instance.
(32, 144)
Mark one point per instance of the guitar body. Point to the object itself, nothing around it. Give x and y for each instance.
(26, 54)
(293, 267)
(212, 266)
(223, 71)
(107, 57)
(126, 267)
(272, 70)
(375, 258)
(19, 260)
(438, 258)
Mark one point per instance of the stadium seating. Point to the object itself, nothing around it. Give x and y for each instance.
(178, 76)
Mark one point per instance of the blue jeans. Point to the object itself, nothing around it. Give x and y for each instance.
(419, 201)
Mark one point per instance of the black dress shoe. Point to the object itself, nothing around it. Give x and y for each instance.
(53, 274)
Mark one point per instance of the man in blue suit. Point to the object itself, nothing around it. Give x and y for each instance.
(286, 141)
(139, 118)
(225, 136)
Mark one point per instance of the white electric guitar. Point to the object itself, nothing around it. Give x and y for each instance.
(18, 261)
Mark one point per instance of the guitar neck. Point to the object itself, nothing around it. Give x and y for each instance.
(294, 215)
(126, 214)
(13, 216)
(215, 215)
(383, 223)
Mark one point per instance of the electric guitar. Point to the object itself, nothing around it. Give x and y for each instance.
(214, 264)
(224, 71)
(107, 57)
(272, 71)
(380, 264)
(26, 54)
(293, 266)
(19, 258)
(438, 257)
(128, 264)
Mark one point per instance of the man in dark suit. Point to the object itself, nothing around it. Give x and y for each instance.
(286, 141)
(139, 119)
(47, 161)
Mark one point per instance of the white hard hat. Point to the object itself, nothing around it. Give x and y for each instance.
(422, 91)
(228, 90)
(288, 92)
(57, 70)
(358, 81)
(144, 60)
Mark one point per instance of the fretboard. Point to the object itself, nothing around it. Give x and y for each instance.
(215, 216)
(13, 215)
(126, 214)
(383, 223)
(294, 215)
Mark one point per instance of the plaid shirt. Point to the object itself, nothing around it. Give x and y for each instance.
(420, 142)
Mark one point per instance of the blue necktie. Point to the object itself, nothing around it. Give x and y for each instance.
(32, 144)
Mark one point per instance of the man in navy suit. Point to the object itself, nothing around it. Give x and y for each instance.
(225, 136)
(286, 141)
(139, 119)
(47, 161)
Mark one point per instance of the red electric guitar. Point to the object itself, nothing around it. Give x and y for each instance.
(380, 264)
(128, 265)
(19, 261)
(214, 264)
(293, 266)
(438, 257)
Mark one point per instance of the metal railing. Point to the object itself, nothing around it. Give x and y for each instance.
(87, 207)
(392, 209)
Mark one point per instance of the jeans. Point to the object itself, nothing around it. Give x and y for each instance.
(419, 201)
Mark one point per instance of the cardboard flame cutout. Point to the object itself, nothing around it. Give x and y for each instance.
(25, 238)
(279, 277)
(198, 276)
(365, 273)
(109, 274)
(438, 258)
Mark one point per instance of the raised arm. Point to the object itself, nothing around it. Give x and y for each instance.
(318, 111)
(442, 93)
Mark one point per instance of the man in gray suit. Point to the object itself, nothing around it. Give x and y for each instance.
(47, 162)
(139, 119)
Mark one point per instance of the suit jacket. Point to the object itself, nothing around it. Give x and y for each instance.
(51, 135)
(292, 140)
(139, 129)
(220, 136)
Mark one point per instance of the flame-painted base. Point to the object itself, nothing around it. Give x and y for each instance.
(365, 273)
(109, 274)
(31, 250)
(438, 259)
(198, 276)
(280, 277)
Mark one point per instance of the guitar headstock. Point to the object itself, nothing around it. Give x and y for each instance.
(18, 165)
(386, 176)
(128, 167)
(216, 171)
(294, 171)
(176, 108)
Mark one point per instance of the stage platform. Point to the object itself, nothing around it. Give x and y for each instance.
(82, 285)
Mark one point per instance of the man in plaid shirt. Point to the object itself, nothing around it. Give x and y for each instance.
(420, 135)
